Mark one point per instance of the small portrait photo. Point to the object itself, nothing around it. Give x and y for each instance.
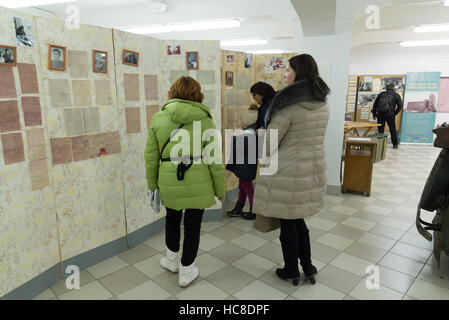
(130, 58)
(173, 50)
(229, 78)
(192, 60)
(248, 61)
(24, 32)
(230, 58)
(8, 55)
(56, 58)
(100, 61)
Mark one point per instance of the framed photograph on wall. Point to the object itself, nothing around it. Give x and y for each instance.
(230, 59)
(131, 58)
(24, 32)
(173, 50)
(192, 60)
(229, 78)
(100, 61)
(57, 57)
(8, 55)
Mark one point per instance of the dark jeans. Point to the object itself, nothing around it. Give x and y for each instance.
(192, 227)
(390, 119)
(295, 243)
(246, 189)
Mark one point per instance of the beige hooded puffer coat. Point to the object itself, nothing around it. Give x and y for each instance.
(297, 189)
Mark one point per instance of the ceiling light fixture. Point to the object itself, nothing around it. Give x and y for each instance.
(432, 28)
(158, 6)
(30, 3)
(269, 51)
(234, 43)
(182, 27)
(425, 43)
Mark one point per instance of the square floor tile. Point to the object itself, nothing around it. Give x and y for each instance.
(228, 252)
(368, 216)
(314, 233)
(138, 253)
(209, 242)
(210, 226)
(347, 232)
(230, 279)
(60, 287)
(337, 278)
(333, 216)
(411, 252)
(317, 292)
(107, 267)
(439, 277)
(321, 224)
(228, 232)
(424, 290)
(377, 241)
(333, 199)
(366, 252)
(245, 225)
(150, 267)
(358, 224)
(123, 280)
(353, 204)
(249, 242)
(202, 290)
(169, 282)
(395, 280)
(389, 198)
(208, 264)
(387, 232)
(91, 291)
(348, 211)
(349, 263)
(334, 241)
(157, 242)
(269, 236)
(145, 291)
(258, 290)
(323, 253)
(402, 264)
(377, 209)
(271, 251)
(361, 292)
(417, 240)
(254, 265)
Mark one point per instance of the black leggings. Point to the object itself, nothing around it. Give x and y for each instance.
(192, 227)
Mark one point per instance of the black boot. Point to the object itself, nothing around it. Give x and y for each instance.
(249, 215)
(304, 255)
(237, 211)
(290, 270)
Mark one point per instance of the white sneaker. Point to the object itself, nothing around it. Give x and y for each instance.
(171, 261)
(187, 274)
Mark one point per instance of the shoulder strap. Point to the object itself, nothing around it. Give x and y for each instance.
(169, 138)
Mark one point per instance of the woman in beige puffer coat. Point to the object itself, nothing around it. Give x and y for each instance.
(300, 114)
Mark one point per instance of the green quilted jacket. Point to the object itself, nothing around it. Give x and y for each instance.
(202, 182)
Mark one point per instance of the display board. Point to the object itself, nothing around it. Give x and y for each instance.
(420, 106)
(369, 87)
(351, 97)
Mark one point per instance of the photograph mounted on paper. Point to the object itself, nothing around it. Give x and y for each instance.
(230, 59)
(192, 60)
(24, 32)
(229, 78)
(100, 61)
(56, 57)
(399, 83)
(131, 58)
(248, 61)
(8, 55)
(173, 50)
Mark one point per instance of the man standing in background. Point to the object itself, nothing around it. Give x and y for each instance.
(387, 105)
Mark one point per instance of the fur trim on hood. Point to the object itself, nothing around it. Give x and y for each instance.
(297, 92)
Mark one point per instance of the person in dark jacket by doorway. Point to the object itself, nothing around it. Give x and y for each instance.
(263, 94)
(387, 106)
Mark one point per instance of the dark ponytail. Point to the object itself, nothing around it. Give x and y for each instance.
(306, 68)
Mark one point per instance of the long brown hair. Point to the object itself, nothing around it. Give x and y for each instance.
(306, 67)
(186, 88)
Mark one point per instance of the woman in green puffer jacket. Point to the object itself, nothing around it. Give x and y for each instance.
(189, 187)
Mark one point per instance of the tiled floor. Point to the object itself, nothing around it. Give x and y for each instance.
(352, 233)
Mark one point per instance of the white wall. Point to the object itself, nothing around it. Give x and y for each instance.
(333, 51)
(393, 59)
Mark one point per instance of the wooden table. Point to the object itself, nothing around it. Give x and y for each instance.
(352, 128)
